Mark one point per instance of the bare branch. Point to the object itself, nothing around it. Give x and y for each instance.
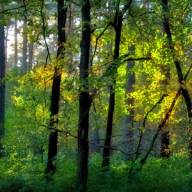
(66, 133)
(137, 59)
(12, 9)
(144, 123)
(97, 39)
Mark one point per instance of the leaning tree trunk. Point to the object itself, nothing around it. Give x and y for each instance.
(107, 143)
(181, 78)
(2, 85)
(84, 99)
(55, 96)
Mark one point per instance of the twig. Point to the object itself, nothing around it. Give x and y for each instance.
(66, 133)
(25, 10)
(137, 59)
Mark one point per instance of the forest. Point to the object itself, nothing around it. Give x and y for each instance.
(96, 95)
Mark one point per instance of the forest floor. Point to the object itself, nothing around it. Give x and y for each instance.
(173, 175)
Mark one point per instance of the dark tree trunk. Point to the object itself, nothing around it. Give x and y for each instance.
(128, 120)
(2, 85)
(165, 135)
(107, 143)
(161, 125)
(84, 99)
(55, 96)
(165, 142)
(181, 78)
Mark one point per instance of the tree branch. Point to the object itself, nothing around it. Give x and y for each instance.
(97, 39)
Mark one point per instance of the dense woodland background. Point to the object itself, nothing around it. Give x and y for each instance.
(95, 95)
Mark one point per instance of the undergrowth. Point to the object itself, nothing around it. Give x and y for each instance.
(157, 175)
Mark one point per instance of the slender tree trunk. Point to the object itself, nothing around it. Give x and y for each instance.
(84, 99)
(30, 49)
(181, 79)
(70, 26)
(15, 45)
(6, 29)
(128, 120)
(165, 142)
(95, 135)
(2, 86)
(25, 42)
(55, 96)
(107, 143)
(70, 32)
(165, 134)
(96, 142)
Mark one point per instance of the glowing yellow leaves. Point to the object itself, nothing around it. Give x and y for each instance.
(18, 100)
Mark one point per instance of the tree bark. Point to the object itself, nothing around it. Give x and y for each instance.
(16, 44)
(107, 143)
(165, 134)
(2, 86)
(25, 42)
(55, 95)
(165, 142)
(181, 79)
(84, 99)
(31, 52)
(128, 120)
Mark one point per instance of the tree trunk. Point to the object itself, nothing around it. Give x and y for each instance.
(181, 78)
(165, 135)
(96, 141)
(94, 132)
(84, 99)
(55, 96)
(6, 29)
(165, 142)
(15, 45)
(2, 86)
(30, 49)
(107, 143)
(25, 42)
(128, 120)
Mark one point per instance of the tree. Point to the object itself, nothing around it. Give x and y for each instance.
(31, 52)
(128, 120)
(16, 43)
(181, 77)
(117, 24)
(2, 83)
(25, 43)
(55, 96)
(165, 133)
(84, 99)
